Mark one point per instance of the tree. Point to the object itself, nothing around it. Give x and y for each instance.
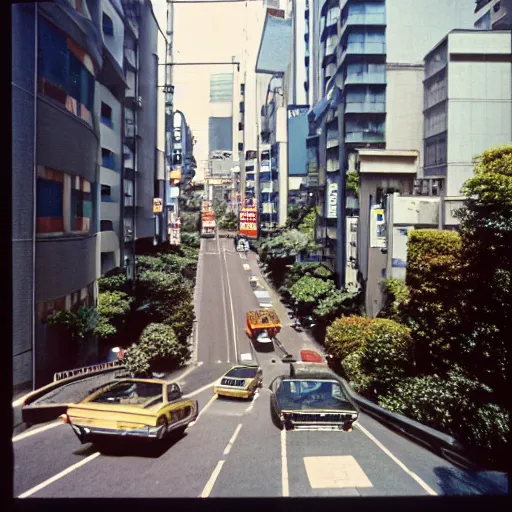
(190, 222)
(346, 335)
(219, 208)
(229, 222)
(352, 182)
(117, 281)
(158, 349)
(79, 323)
(434, 280)
(486, 231)
(308, 291)
(113, 309)
(308, 224)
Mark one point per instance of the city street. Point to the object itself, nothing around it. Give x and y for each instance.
(233, 449)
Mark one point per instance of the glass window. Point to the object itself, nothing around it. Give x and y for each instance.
(53, 54)
(221, 87)
(106, 114)
(140, 394)
(81, 205)
(50, 201)
(106, 193)
(108, 25)
(108, 159)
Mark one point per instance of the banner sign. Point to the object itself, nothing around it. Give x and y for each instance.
(175, 176)
(158, 206)
(332, 199)
(249, 222)
(378, 227)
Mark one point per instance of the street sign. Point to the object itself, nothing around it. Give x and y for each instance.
(157, 205)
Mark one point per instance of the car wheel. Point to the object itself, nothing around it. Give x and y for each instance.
(275, 419)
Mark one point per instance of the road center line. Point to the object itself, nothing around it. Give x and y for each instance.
(58, 476)
(414, 476)
(284, 465)
(211, 482)
(232, 440)
(224, 302)
(200, 390)
(256, 395)
(36, 431)
(232, 309)
(212, 399)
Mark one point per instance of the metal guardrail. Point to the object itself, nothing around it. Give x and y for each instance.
(86, 370)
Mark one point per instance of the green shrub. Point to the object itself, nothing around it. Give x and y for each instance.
(158, 349)
(182, 320)
(396, 299)
(434, 279)
(457, 405)
(190, 240)
(346, 335)
(113, 283)
(112, 310)
(386, 353)
(356, 377)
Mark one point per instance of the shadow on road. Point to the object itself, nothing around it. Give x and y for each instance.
(136, 447)
(456, 482)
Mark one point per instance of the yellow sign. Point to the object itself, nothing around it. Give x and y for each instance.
(158, 206)
(175, 176)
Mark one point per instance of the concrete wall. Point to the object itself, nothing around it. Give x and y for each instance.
(22, 172)
(147, 125)
(413, 28)
(115, 43)
(404, 107)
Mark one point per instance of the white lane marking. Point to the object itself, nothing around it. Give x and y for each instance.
(211, 482)
(200, 390)
(36, 431)
(414, 476)
(284, 465)
(232, 440)
(232, 309)
(224, 304)
(255, 397)
(212, 399)
(58, 476)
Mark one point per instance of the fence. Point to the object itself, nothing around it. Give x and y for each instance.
(88, 369)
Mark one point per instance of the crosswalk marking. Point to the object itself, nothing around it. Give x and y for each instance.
(335, 472)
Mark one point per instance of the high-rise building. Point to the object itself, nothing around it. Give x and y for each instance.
(367, 47)
(493, 14)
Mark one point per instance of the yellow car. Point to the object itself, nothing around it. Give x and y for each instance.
(147, 408)
(241, 381)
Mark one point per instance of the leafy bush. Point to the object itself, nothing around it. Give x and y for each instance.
(113, 283)
(434, 279)
(190, 222)
(158, 349)
(345, 336)
(386, 353)
(190, 240)
(356, 377)
(352, 182)
(79, 323)
(308, 223)
(112, 310)
(308, 290)
(229, 222)
(396, 299)
(182, 320)
(335, 304)
(457, 405)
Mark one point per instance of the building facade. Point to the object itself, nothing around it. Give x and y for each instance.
(493, 14)
(468, 103)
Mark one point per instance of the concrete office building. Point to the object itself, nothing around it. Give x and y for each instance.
(56, 133)
(371, 57)
(493, 14)
(468, 103)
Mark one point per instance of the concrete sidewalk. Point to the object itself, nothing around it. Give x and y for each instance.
(291, 340)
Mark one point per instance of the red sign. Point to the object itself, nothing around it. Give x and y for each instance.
(249, 222)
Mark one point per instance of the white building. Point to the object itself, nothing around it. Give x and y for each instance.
(468, 103)
(493, 14)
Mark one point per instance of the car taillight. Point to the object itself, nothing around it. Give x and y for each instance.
(64, 418)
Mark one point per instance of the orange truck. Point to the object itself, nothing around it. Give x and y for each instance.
(262, 324)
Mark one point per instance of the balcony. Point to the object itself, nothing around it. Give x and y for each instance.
(365, 107)
(364, 136)
(366, 78)
(129, 129)
(109, 241)
(356, 19)
(360, 48)
(333, 165)
(129, 160)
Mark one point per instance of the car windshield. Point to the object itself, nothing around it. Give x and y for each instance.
(141, 394)
(242, 373)
(311, 394)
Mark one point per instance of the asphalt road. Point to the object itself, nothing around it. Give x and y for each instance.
(233, 449)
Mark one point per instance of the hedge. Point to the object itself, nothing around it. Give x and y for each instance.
(158, 349)
(346, 335)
